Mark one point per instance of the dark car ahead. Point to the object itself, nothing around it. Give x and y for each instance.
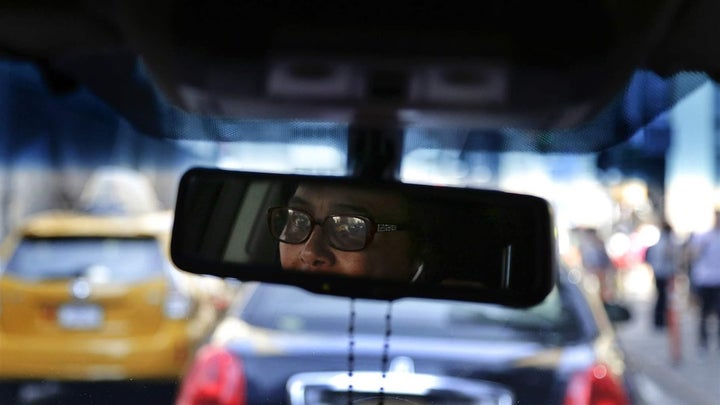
(281, 344)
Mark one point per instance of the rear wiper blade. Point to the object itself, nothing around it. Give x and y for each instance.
(70, 274)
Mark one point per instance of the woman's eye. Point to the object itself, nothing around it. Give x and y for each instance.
(299, 221)
(342, 231)
(352, 228)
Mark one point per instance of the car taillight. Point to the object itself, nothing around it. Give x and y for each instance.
(215, 378)
(596, 386)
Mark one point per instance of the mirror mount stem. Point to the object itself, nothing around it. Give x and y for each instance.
(374, 151)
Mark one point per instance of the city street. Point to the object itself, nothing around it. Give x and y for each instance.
(695, 379)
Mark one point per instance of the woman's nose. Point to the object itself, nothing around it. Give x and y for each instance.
(316, 253)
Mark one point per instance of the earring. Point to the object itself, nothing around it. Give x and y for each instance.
(417, 273)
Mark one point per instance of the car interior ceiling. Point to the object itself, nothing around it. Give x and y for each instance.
(609, 41)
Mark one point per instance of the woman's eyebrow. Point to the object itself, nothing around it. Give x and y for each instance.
(295, 200)
(334, 207)
(349, 207)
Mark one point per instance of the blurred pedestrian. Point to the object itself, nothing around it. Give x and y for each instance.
(664, 258)
(686, 269)
(596, 262)
(705, 276)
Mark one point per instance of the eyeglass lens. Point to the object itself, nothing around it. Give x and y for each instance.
(343, 232)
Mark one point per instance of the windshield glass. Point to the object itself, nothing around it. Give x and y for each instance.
(608, 110)
(100, 259)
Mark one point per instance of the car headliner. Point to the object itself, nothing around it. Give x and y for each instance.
(568, 63)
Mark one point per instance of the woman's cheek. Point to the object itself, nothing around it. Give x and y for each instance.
(288, 255)
(352, 263)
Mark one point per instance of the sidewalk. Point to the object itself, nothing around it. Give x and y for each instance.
(696, 379)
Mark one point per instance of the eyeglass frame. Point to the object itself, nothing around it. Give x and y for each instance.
(374, 227)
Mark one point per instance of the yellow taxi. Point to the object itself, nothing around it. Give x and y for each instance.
(88, 297)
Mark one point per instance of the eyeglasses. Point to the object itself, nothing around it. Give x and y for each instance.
(342, 232)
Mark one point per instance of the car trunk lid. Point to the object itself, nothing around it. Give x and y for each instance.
(79, 306)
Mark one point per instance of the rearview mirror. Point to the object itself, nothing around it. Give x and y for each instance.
(362, 238)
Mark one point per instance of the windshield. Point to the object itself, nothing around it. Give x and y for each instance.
(100, 259)
(77, 99)
(290, 309)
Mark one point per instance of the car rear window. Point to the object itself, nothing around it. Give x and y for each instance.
(101, 259)
(292, 309)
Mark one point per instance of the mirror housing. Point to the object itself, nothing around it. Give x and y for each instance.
(458, 244)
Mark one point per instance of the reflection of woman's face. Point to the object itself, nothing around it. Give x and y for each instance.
(387, 256)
